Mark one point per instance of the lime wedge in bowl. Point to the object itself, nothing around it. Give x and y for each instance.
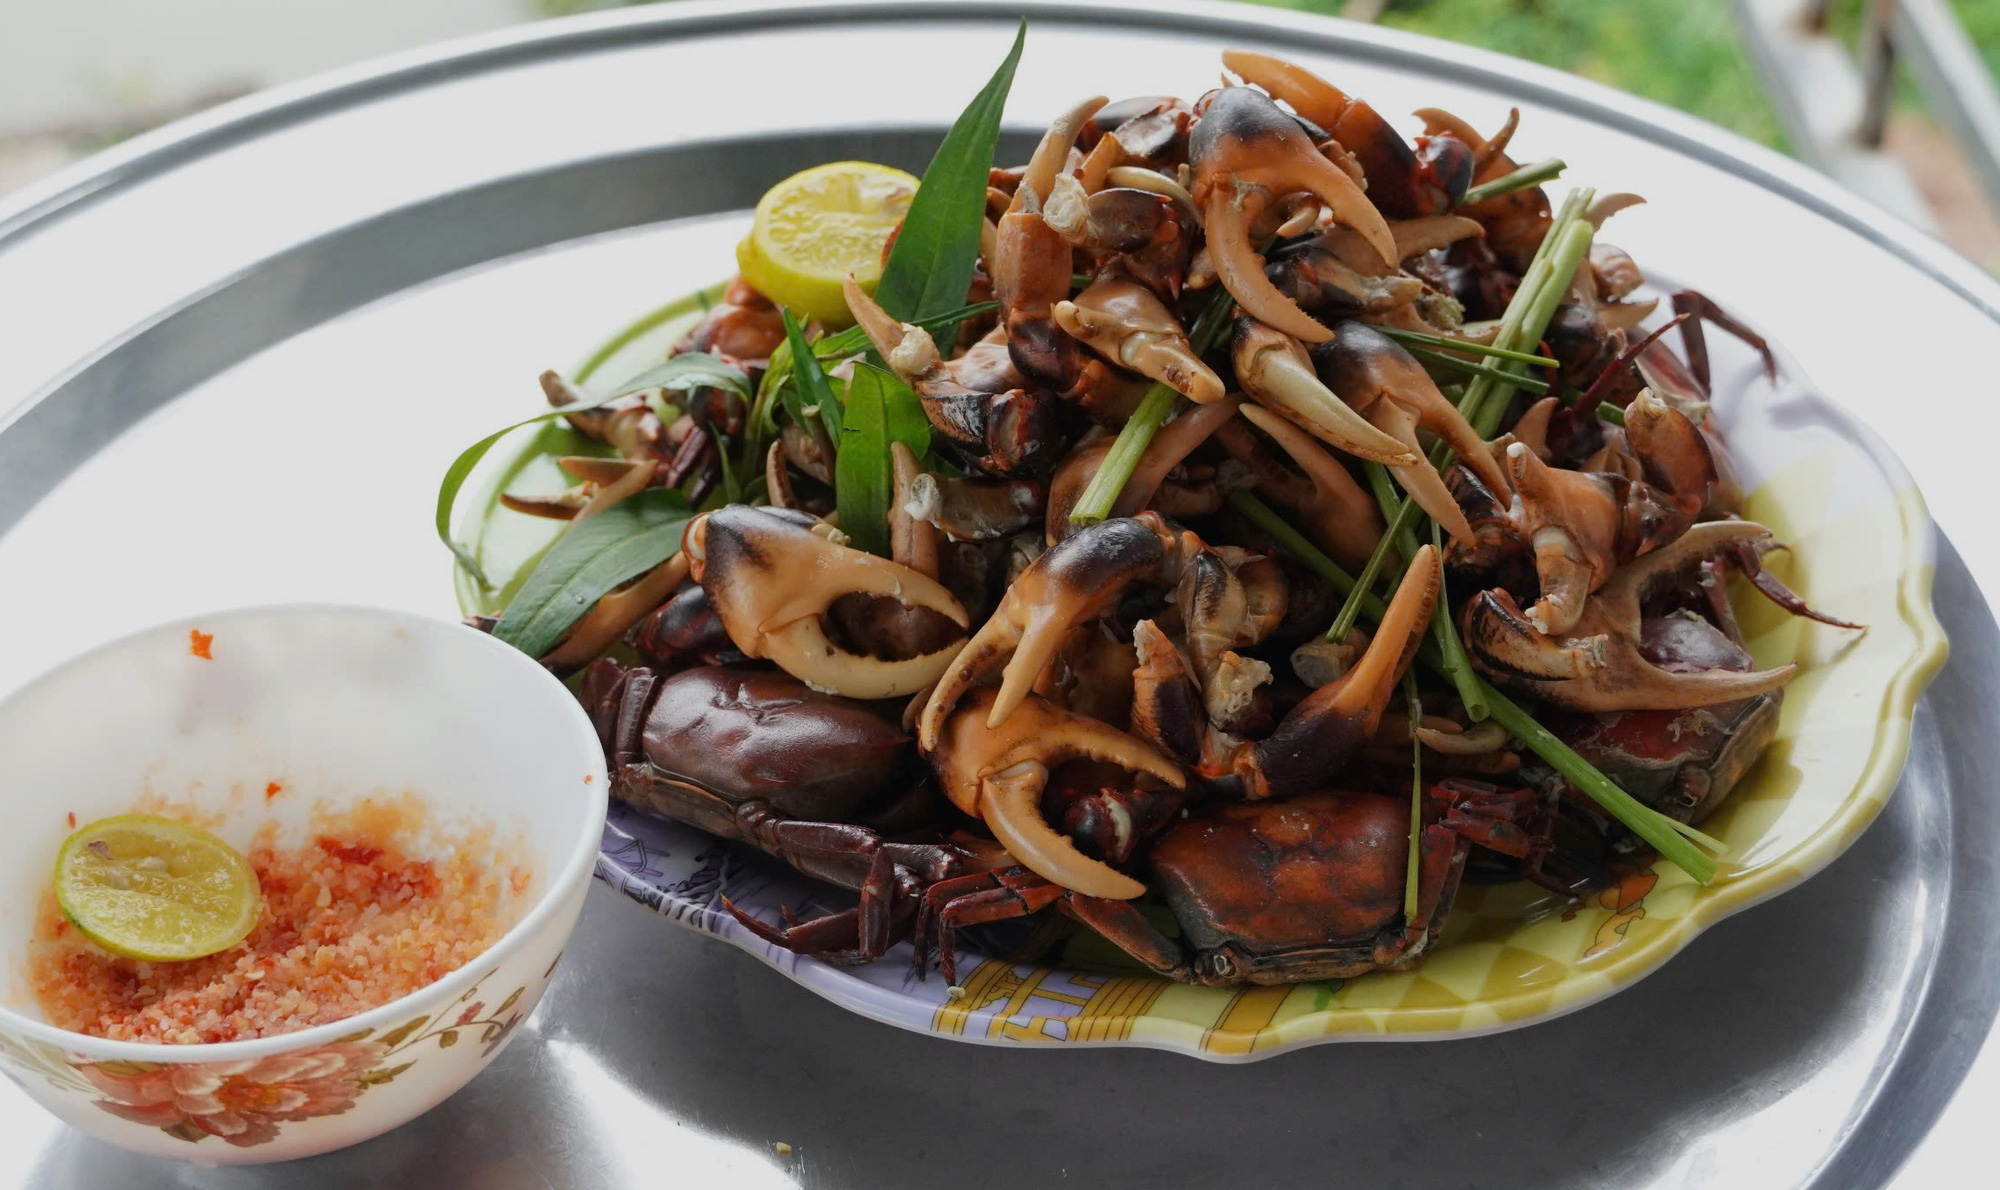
(151, 888)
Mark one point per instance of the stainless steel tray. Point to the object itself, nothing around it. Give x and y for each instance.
(238, 353)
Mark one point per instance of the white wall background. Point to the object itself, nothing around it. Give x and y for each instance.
(63, 61)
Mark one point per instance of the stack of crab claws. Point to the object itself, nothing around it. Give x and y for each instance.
(998, 771)
(1600, 667)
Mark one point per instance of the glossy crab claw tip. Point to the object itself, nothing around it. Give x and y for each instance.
(909, 350)
(1053, 151)
(1128, 324)
(1368, 685)
(1275, 370)
(694, 544)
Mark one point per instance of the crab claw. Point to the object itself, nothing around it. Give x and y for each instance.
(979, 402)
(1572, 519)
(1128, 324)
(863, 626)
(1602, 666)
(1071, 583)
(1671, 451)
(1247, 156)
(1400, 182)
(1167, 704)
(1334, 721)
(1374, 374)
(1275, 370)
(1327, 505)
(996, 769)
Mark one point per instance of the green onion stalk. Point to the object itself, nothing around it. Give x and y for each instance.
(1679, 845)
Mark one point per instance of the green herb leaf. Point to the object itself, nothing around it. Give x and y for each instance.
(690, 370)
(930, 267)
(902, 414)
(593, 557)
(810, 390)
(880, 409)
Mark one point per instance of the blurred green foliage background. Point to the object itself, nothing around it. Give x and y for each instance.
(1683, 53)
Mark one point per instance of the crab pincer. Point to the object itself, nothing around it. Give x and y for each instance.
(1317, 737)
(1387, 386)
(1031, 261)
(1071, 583)
(979, 403)
(1275, 371)
(1602, 664)
(838, 619)
(1583, 524)
(1249, 156)
(1129, 325)
(997, 772)
(1405, 181)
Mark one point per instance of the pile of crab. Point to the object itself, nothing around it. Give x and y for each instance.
(1015, 713)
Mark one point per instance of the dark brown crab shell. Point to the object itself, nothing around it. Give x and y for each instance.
(748, 734)
(1681, 763)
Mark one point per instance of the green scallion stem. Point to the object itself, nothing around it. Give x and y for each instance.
(1123, 458)
(1264, 517)
(1448, 344)
(1350, 609)
(1520, 179)
(1451, 649)
(1533, 305)
(1649, 824)
(1606, 411)
(1411, 872)
(1471, 369)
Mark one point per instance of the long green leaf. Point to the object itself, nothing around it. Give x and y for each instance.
(691, 370)
(902, 414)
(930, 267)
(840, 345)
(811, 393)
(593, 557)
(880, 410)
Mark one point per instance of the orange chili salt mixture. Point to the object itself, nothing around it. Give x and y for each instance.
(349, 923)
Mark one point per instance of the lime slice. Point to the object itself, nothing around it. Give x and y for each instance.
(151, 888)
(816, 227)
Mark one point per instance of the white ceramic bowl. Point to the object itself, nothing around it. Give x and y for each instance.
(335, 704)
